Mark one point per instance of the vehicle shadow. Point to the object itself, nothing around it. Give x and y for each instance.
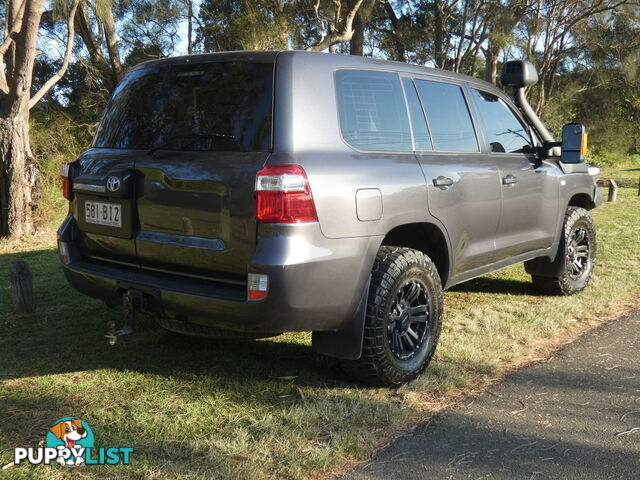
(496, 285)
(66, 334)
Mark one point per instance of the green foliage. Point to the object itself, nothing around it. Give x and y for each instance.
(609, 100)
(243, 25)
(56, 137)
(151, 25)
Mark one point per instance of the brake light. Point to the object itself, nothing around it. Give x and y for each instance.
(283, 195)
(67, 180)
(63, 251)
(257, 286)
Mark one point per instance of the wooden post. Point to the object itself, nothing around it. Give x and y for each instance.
(21, 286)
(613, 190)
(639, 186)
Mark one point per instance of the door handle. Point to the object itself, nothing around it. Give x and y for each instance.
(509, 180)
(442, 181)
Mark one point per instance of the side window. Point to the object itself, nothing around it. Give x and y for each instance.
(372, 110)
(448, 116)
(418, 122)
(503, 130)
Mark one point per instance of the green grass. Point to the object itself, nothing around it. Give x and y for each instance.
(196, 408)
(627, 171)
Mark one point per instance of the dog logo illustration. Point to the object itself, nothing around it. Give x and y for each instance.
(69, 434)
(70, 443)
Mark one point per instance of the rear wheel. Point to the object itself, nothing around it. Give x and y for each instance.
(576, 256)
(403, 320)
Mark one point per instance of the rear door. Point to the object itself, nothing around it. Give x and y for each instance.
(529, 188)
(196, 134)
(196, 212)
(105, 216)
(463, 184)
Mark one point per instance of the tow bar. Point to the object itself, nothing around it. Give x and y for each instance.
(132, 303)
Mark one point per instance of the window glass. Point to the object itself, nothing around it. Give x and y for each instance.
(217, 106)
(418, 122)
(448, 115)
(503, 130)
(373, 115)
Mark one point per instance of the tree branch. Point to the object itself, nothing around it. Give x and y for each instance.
(65, 61)
(15, 29)
(344, 34)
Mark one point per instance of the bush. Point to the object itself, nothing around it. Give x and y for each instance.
(55, 138)
(607, 159)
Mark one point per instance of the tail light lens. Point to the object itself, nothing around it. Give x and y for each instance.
(63, 251)
(67, 179)
(284, 196)
(257, 286)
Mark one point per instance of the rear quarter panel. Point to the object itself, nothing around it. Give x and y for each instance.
(307, 132)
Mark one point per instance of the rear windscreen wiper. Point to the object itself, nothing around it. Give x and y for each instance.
(194, 137)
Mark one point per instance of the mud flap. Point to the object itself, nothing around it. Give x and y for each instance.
(345, 343)
(544, 266)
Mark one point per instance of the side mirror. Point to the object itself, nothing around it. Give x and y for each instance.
(574, 143)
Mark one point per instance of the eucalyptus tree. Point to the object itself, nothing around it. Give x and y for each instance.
(551, 35)
(244, 24)
(18, 170)
(96, 26)
(609, 95)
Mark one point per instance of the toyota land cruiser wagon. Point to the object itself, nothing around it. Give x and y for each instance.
(253, 193)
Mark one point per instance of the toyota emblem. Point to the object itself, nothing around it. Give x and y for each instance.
(113, 184)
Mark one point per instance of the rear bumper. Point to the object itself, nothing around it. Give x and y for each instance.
(315, 283)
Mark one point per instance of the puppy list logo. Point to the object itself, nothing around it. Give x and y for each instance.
(70, 442)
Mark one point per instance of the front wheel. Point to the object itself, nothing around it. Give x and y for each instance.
(403, 320)
(576, 257)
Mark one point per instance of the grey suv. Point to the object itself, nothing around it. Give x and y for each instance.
(246, 194)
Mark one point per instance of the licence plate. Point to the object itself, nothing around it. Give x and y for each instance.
(100, 213)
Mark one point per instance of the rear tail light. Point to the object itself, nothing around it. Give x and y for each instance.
(63, 251)
(257, 286)
(283, 195)
(67, 180)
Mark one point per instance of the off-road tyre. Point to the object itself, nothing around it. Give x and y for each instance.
(571, 280)
(397, 274)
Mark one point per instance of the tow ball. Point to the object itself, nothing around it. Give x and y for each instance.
(132, 303)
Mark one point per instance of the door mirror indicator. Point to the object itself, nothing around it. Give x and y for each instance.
(574, 143)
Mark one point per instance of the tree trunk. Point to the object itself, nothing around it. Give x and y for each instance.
(112, 46)
(491, 66)
(18, 170)
(399, 51)
(438, 40)
(356, 45)
(18, 174)
(190, 26)
(282, 24)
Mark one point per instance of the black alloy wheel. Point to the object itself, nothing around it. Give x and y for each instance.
(403, 319)
(408, 324)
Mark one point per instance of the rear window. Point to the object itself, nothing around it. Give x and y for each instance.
(373, 115)
(218, 106)
(448, 116)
